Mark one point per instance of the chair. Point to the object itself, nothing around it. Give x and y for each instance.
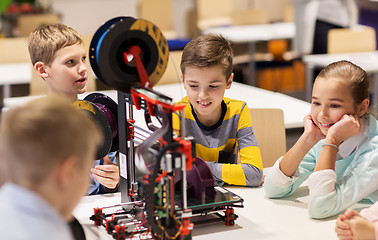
(249, 16)
(14, 50)
(277, 10)
(358, 39)
(39, 87)
(160, 13)
(269, 129)
(213, 13)
(28, 22)
(173, 72)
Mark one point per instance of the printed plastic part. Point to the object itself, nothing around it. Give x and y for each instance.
(110, 109)
(103, 110)
(200, 181)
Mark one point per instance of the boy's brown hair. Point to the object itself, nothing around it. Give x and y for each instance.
(38, 136)
(46, 40)
(208, 51)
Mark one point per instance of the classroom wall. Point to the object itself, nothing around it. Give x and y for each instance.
(87, 15)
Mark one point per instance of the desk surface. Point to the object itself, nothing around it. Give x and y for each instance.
(256, 32)
(261, 218)
(294, 109)
(366, 60)
(15, 73)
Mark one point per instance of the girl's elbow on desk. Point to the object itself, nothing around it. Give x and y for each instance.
(318, 209)
(317, 214)
(273, 191)
(272, 195)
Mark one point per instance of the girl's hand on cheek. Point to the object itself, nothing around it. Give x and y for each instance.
(347, 127)
(311, 130)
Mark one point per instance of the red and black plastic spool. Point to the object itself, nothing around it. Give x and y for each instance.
(114, 39)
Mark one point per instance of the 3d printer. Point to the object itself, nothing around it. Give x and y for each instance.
(163, 185)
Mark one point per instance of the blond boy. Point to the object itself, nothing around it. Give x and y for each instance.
(59, 57)
(47, 148)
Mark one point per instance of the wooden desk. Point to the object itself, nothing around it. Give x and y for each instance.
(12, 74)
(294, 109)
(366, 60)
(251, 34)
(261, 218)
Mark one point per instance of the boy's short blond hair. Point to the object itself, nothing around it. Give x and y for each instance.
(37, 137)
(46, 40)
(208, 51)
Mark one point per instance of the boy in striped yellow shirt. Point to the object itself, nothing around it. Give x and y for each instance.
(221, 126)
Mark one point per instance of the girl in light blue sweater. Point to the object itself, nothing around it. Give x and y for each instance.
(338, 150)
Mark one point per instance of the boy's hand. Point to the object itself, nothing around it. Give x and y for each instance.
(107, 174)
(311, 130)
(262, 181)
(348, 126)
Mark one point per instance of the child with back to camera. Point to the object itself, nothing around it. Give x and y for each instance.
(337, 151)
(58, 56)
(47, 148)
(221, 126)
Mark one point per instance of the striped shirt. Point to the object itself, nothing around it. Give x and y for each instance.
(220, 143)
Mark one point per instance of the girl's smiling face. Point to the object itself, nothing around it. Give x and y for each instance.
(331, 99)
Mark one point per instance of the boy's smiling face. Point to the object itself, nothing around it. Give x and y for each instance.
(205, 88)
(67, 74)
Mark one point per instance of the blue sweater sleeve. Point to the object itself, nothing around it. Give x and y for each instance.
(306, 167)
(95, 187)
(357, 178)
(332, 191)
